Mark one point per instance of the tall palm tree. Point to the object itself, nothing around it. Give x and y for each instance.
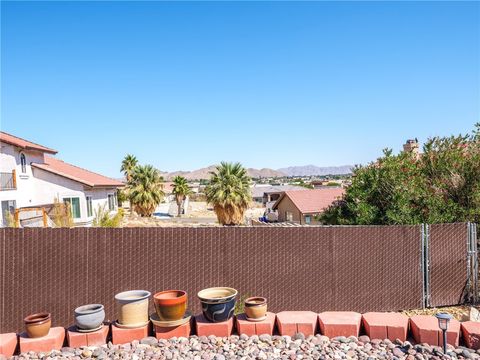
(229, 192)
(146, 189)
(129, 163)
(181, 190)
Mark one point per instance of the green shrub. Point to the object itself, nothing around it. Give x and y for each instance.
(441, 185)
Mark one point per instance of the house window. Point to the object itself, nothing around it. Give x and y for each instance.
(308, 219)
(74, 204)
(23, 163)
(8, 211)
(111, 202)
(288, 216)
(89, 206)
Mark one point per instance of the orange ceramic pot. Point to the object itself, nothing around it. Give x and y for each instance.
(170, 305)
(38, 325)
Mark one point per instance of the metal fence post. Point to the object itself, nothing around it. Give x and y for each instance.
(475, 269)
(422, 263)
(426, 263)
(472, 262)
(469, 286)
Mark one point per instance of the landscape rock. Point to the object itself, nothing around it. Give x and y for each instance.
(263, 347)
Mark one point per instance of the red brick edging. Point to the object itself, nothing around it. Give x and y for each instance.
(422, 328)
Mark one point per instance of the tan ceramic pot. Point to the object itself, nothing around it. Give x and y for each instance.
(38, 325)
(133, 310)
(255, 307)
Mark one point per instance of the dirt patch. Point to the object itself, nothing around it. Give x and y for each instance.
(461, 312)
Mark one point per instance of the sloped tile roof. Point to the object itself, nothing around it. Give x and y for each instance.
(24, 144)
(76, 173)
(312, 201)
(258, 191)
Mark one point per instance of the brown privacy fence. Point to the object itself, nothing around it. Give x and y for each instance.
(361, 268)
(448, 263)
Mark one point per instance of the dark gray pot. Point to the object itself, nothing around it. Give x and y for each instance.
(89, 317)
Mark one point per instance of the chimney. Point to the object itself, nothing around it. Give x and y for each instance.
(411, 146)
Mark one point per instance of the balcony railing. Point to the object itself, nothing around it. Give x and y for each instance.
(8, 180)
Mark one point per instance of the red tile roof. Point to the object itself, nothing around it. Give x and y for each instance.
(24, 144)
(312, 201)
(76, 173)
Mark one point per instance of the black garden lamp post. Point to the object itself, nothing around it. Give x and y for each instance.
(443, 320)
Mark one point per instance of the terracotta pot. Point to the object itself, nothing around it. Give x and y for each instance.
(218, 304)
(170, 305)
(89, 317)
(255, 307)
(133, 308)
(38, 325)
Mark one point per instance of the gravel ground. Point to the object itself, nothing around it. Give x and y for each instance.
(258, 347)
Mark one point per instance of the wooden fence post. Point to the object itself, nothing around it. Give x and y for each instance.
(14, 175)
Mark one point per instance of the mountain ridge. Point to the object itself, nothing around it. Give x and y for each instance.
(204, 173)
(310, 170)
(307, 170)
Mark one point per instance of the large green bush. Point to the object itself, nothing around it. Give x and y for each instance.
(440, 185)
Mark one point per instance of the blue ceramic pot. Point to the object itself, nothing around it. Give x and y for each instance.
(218, 304)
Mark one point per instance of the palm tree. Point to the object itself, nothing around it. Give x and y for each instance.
(181, 190)
(229, 192)
(146, 189)
(129, 163)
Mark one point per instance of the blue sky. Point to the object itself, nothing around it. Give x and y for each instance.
(185, 85)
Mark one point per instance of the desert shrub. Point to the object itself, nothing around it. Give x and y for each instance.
(104, 219)
(61, 214)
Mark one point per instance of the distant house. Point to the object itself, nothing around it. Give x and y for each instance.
(320, 184)
(31, 178)
(301, 206)
(264, 194)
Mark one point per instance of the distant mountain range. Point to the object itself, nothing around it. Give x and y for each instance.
(309, 170)
(204, 173)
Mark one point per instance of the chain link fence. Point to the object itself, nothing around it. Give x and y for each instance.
(318, 268)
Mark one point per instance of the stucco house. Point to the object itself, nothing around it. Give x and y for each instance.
(31, 177)
(301, 206)
(264, 194)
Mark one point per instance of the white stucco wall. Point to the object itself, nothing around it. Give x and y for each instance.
(7, 158)
(39, 187)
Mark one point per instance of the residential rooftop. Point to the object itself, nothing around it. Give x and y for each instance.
(75, 173)
(312, 201)
(24, 144)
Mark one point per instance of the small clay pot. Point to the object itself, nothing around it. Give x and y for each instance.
(133, 308)
(89, 317)
(38, 325)
(218, 304)
(170, 305)
(255, 307)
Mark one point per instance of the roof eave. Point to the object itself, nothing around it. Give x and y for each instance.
(48, 151)
(45, 150)
(274, 207)
(63, 175)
